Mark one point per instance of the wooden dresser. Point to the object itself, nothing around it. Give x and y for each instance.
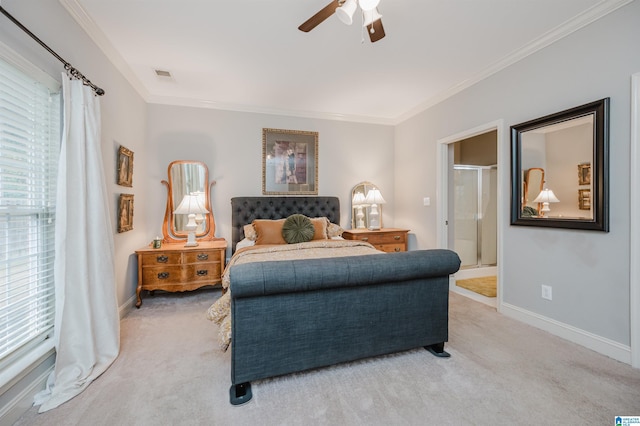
(385, 239)
(174, 267)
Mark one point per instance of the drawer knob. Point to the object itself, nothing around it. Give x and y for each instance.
(397, 249)
(365, 239)
(162, 259)
(203, 256)
(396, 237)
(202, 272)
(163, 275)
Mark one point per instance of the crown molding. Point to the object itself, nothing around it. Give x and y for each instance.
(574, 24)
(203, 103)
(80, 15)
(596, 12)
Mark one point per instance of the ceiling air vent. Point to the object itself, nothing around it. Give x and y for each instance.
(162, 73)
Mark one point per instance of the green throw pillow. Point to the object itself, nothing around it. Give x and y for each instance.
(297, 229)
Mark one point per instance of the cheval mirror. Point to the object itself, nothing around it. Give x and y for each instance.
(187, 178)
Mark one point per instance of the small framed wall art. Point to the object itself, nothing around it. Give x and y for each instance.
(125, 166)
(125, 213)
(289, 162)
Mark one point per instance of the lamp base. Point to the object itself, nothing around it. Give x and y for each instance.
(191, 240)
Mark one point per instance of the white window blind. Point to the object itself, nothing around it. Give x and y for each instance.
(29, 141)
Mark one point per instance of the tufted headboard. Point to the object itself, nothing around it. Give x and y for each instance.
(245, 209)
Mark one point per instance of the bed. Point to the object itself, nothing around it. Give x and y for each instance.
(295, 307)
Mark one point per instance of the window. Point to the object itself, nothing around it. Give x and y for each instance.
(29, 143)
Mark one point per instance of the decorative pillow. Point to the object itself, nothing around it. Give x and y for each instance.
(269, 231)
(320, 227)
(297, 228)
(250, 232)
(334, 230)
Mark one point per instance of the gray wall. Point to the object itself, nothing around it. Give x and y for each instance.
(589, 271)
(230, 143)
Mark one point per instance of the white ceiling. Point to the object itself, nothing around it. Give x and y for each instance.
(248, 55)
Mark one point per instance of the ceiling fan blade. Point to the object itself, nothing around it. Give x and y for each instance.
(378, 31)
(319, 17)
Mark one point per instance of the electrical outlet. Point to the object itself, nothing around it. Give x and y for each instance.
(546, 292)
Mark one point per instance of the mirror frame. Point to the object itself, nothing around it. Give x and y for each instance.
(600, 168)
(169, 233)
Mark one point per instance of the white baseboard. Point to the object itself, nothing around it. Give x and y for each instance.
(591, 341)
(127, 306)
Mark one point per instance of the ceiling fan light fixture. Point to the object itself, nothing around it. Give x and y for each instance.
(346, 11)
(367, 5)
(370, 16)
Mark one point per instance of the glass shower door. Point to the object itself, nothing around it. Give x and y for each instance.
(475, 215)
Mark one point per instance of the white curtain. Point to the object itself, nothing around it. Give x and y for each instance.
(87, 327)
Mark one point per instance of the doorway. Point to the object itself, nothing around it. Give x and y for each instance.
(469, 216)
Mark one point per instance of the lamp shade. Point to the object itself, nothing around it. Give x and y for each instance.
(374, 197)
(191, 204)
(369, 4)
(346, 11)
(546, 196)
(358, 199)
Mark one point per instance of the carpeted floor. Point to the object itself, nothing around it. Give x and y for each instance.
(501, 372)
(485, 286)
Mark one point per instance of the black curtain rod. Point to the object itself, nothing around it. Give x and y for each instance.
(67, 66)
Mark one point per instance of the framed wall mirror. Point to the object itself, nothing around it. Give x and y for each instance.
(560, 169)
(187, 178)
(362, 208)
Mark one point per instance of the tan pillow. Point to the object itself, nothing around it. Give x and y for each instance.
(250, 232)
(334, 230)
(320, 228)
(269, 231)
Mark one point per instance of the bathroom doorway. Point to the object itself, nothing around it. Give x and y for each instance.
(469, 181)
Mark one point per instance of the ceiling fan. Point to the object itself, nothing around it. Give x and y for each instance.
(345, 10)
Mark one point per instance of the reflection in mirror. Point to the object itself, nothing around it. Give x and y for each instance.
(546, 152)
(533, 184)
(187, 178)
(361, 210)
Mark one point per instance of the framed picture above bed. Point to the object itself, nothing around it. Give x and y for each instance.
(289, 162)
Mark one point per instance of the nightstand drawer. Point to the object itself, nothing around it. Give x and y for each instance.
(201, 256)
(153, 275)
(390, 248)
(161, 258)
(202, 272)
(386, 239)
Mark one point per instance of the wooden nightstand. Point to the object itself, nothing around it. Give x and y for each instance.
(174, 267)
(385, 239)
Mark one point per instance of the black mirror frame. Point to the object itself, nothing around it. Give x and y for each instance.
(600, 170)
